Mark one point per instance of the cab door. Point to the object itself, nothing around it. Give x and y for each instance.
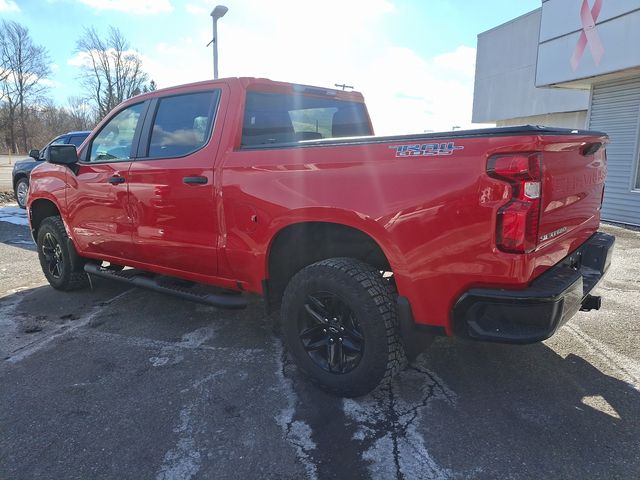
(97, 196)
(171, 184)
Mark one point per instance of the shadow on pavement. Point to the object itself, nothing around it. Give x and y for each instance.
(483, 411)
(466, 410)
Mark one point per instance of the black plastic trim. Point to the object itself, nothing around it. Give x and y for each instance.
(197, 180)
(535, 313)
(148, 280)
(476, 133)
(415, 337)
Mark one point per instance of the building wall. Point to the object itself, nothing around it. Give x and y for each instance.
(543, 48)
(611, 47)
(561, 120)
(615, 110)
(505, 75)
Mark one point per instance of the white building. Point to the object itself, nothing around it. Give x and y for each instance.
(575, 64)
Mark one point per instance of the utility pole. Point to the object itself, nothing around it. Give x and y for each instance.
(216, 13)
(343, 86)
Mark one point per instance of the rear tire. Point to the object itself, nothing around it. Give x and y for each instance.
(55, 257)
(339, 322)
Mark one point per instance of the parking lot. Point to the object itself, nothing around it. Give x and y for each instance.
(121, 383)
(6, 166)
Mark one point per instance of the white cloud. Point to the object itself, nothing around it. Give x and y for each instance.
(80, 59)
(50, 83)
(83, 59)
(337, 42)
(137, 7)
(196, 9)
(9, 6)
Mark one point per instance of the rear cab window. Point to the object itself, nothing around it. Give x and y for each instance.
(279, 118)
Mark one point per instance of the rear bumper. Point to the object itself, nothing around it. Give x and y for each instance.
(535, 313)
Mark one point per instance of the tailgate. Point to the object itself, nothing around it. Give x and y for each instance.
(574, 170)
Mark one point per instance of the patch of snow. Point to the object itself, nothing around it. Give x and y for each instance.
(182, 461)
(389, 421)
(14, 215)
(297, 432)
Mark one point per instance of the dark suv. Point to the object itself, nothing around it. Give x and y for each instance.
(22, 168)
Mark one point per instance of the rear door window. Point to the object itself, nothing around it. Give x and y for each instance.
(182, 124)
(272, 118)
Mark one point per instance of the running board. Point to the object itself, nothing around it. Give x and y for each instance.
(172, 286)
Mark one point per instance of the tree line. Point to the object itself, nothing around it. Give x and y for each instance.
(110, 72)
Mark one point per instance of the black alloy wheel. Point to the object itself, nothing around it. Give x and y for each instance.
(52, 251)
(60, 263)
(330, 333)
(339, 322)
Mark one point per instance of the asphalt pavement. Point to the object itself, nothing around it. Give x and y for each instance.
(121, 383)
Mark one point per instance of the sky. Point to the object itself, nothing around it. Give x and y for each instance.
(414, 60)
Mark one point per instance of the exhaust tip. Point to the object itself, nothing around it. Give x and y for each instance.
(591, 302)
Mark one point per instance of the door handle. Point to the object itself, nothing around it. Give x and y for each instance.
(116, 179)
(195, 180)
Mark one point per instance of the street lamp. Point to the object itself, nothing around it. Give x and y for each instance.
(216, 13)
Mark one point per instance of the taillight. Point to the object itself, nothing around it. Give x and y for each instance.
(518, 220)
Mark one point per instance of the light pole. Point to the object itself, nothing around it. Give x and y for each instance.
(216, 13)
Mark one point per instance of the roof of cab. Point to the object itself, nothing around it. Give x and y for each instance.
(265, 84)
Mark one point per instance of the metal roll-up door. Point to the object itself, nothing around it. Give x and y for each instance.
(615, 110)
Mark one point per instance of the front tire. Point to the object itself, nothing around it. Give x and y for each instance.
(22, 192)
(55, 257)
(339, 322)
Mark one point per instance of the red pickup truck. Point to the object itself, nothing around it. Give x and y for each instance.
(368, 245)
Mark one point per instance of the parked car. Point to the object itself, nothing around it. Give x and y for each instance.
(368, 245)
(22, 168)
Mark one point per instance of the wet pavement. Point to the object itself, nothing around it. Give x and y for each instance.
(121, 383)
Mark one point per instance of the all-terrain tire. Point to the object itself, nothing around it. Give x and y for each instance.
(55, 257)
(371, 303)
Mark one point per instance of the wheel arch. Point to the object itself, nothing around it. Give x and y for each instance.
(39, 209)
(301, 243)
(19, 176)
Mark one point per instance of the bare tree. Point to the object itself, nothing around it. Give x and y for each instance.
(112, 71)
(79, 113)
(25, 64)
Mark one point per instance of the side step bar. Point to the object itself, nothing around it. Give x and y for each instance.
(179, 288)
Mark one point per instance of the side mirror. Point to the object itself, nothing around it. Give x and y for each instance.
(34, 153)
(61, 154)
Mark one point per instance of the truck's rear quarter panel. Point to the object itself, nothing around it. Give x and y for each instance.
(433, 216)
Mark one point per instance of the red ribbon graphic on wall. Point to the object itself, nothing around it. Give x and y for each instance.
(589, 34)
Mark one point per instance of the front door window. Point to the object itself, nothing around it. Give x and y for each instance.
(115, 140)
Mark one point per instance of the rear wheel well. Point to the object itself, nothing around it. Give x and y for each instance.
(19, 177)
(302, 244)
(41, 209)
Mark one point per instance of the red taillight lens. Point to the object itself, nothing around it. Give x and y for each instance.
(518, 220)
